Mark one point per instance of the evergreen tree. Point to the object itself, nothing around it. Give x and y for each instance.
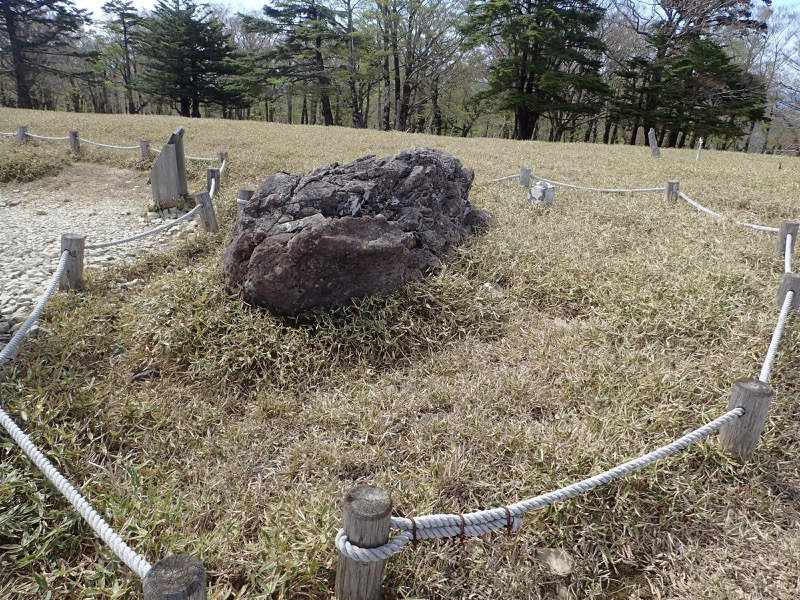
(186, 57)
(34, 34)
(545, 57)
(122, 27)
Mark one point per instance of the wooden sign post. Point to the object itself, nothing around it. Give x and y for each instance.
(168, 177)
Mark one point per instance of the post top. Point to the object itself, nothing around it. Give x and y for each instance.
(368, 502)
(177, 577)
(754, 386)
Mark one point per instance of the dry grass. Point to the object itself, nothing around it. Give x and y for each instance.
(565, 340)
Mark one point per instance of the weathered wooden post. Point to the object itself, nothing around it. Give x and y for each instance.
(22, 133)
(74, 142)
(786, 228)
(212, 176)
(242, 196)
(525, 177)
(740, 437)
(178, 577)
(671, 191)
(367, 510)
(699, 149)
(654, 149)
(789, 283)
(222, 157)
(144, 147)
(207, 212)
(168, 177)
(72, 278)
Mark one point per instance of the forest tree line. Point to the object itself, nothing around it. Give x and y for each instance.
(727, 71)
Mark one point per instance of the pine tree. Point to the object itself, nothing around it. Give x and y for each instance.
(34, 35)
(546, 57)
(186, 57)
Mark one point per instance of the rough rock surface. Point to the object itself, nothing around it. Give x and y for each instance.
(347, 231)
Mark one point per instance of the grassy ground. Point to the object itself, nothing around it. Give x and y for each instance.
(562, 342)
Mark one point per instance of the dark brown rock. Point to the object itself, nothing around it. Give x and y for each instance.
(343, 232)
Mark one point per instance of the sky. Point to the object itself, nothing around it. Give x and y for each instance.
(94, 6)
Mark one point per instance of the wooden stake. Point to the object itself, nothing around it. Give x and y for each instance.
(786, 228)
(242, 197)
(525, 177)
(790, 282)
(367, 510)
(671, 192)
(74, 142)
(222, 156)
(144, 147)
(207, 212)
(72, 279)
(740, 437)
(178, 577)
(654, 149)
(22, 133)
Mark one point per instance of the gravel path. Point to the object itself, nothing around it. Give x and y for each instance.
(99, 202)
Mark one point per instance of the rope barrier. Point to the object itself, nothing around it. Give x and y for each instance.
(144, 234)
(213, 189)
(758, 227)
(107, 145)
(156, 150)
(138, 564)
(199, 158)
(11, 348)
(772, 351)
(787, 254)
(699, 206)
(504, 178)
(8, 134)
(222, 166)
(602, 190)
(481, 522)
(42, 137)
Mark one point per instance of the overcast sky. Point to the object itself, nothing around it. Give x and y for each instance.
(255, 5)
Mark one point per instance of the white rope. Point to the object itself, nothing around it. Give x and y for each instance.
(8, 134)
(144, 234)
(481, 522)
(137, 563)
(42, 137)
(107, 145)
(758, 227)
(156, 150)
(222, 166)
(11, 348)
(199, 158)
(213, 189)
(766, 370)
(787, 254)
(699, 206)
(504, 178)
(603, 190)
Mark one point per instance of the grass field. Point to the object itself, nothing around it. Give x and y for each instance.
(565, 340)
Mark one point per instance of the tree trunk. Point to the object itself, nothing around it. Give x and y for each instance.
(17, 59)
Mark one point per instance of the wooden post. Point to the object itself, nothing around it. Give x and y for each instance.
(222, 157)
(74, 142)
(144, 147)
(789, 283)
(367, 510)
(525, 177)
(168, 177)
(178, 577)
(740, 437)
(787, 228)
(207, 212)
(699, 149)
(72, 279)
(212, 175)
(242, 197)
(654, 149)
(671, 192)
(22, 133)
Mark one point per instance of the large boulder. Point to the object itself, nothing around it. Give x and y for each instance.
(343, 232)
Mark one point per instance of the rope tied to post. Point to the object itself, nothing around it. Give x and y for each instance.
(486, 521)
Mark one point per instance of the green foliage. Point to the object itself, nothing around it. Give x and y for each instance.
(187, 56)
(548, 57)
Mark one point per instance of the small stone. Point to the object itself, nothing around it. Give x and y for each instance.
(41, 212)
